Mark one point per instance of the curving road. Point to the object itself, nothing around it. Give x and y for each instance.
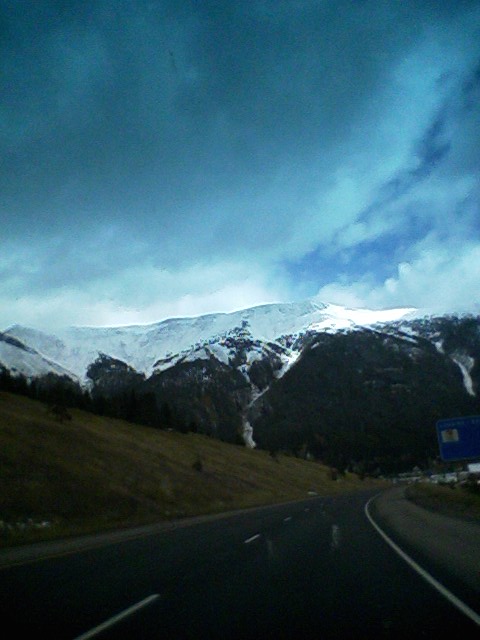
(314, 569)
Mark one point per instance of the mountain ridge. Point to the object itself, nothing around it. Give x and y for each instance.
(319, 380)
(141, 346)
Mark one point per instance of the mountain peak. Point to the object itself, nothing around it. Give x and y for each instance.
(141, 346)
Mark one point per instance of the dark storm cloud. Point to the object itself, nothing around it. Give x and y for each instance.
(82, 86)
(100, 123)
(172, 132)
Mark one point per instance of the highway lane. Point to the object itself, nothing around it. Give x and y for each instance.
(313, 569)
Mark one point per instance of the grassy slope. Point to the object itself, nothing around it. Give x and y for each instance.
(451, 501)
(95, 473)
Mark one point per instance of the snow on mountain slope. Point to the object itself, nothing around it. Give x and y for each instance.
(25, 361)
(337, 317)
(237, 348)
(142, 346)
(465, 364)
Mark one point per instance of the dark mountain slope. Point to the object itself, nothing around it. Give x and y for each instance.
(206, 396)
(364, 397)
(368, 397)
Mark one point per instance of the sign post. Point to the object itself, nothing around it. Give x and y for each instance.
(459, 438)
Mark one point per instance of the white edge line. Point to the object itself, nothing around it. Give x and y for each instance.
(120, 616)
(255, 537)
(465, 609)
(287, 519)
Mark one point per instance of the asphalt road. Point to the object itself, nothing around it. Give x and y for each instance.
(313, 569)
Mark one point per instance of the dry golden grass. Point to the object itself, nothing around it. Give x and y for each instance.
(95, 473)
(450, 500)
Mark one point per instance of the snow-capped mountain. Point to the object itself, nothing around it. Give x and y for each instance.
(21, 359)
(147, 347)
(373, 394)
(332, 382)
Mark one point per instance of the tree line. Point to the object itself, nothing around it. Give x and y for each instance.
(62, 393)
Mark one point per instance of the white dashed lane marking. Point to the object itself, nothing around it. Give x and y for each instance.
(255, 537)
(120, 616)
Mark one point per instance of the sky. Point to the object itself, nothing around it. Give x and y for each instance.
(180, 157)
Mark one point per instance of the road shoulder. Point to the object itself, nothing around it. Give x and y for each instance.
(452, 544)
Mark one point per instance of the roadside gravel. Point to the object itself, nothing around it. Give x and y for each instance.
(452, 544)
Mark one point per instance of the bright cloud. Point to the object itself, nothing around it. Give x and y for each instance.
(142, 294)
(438, 280)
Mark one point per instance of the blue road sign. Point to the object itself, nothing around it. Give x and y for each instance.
(459, 438)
